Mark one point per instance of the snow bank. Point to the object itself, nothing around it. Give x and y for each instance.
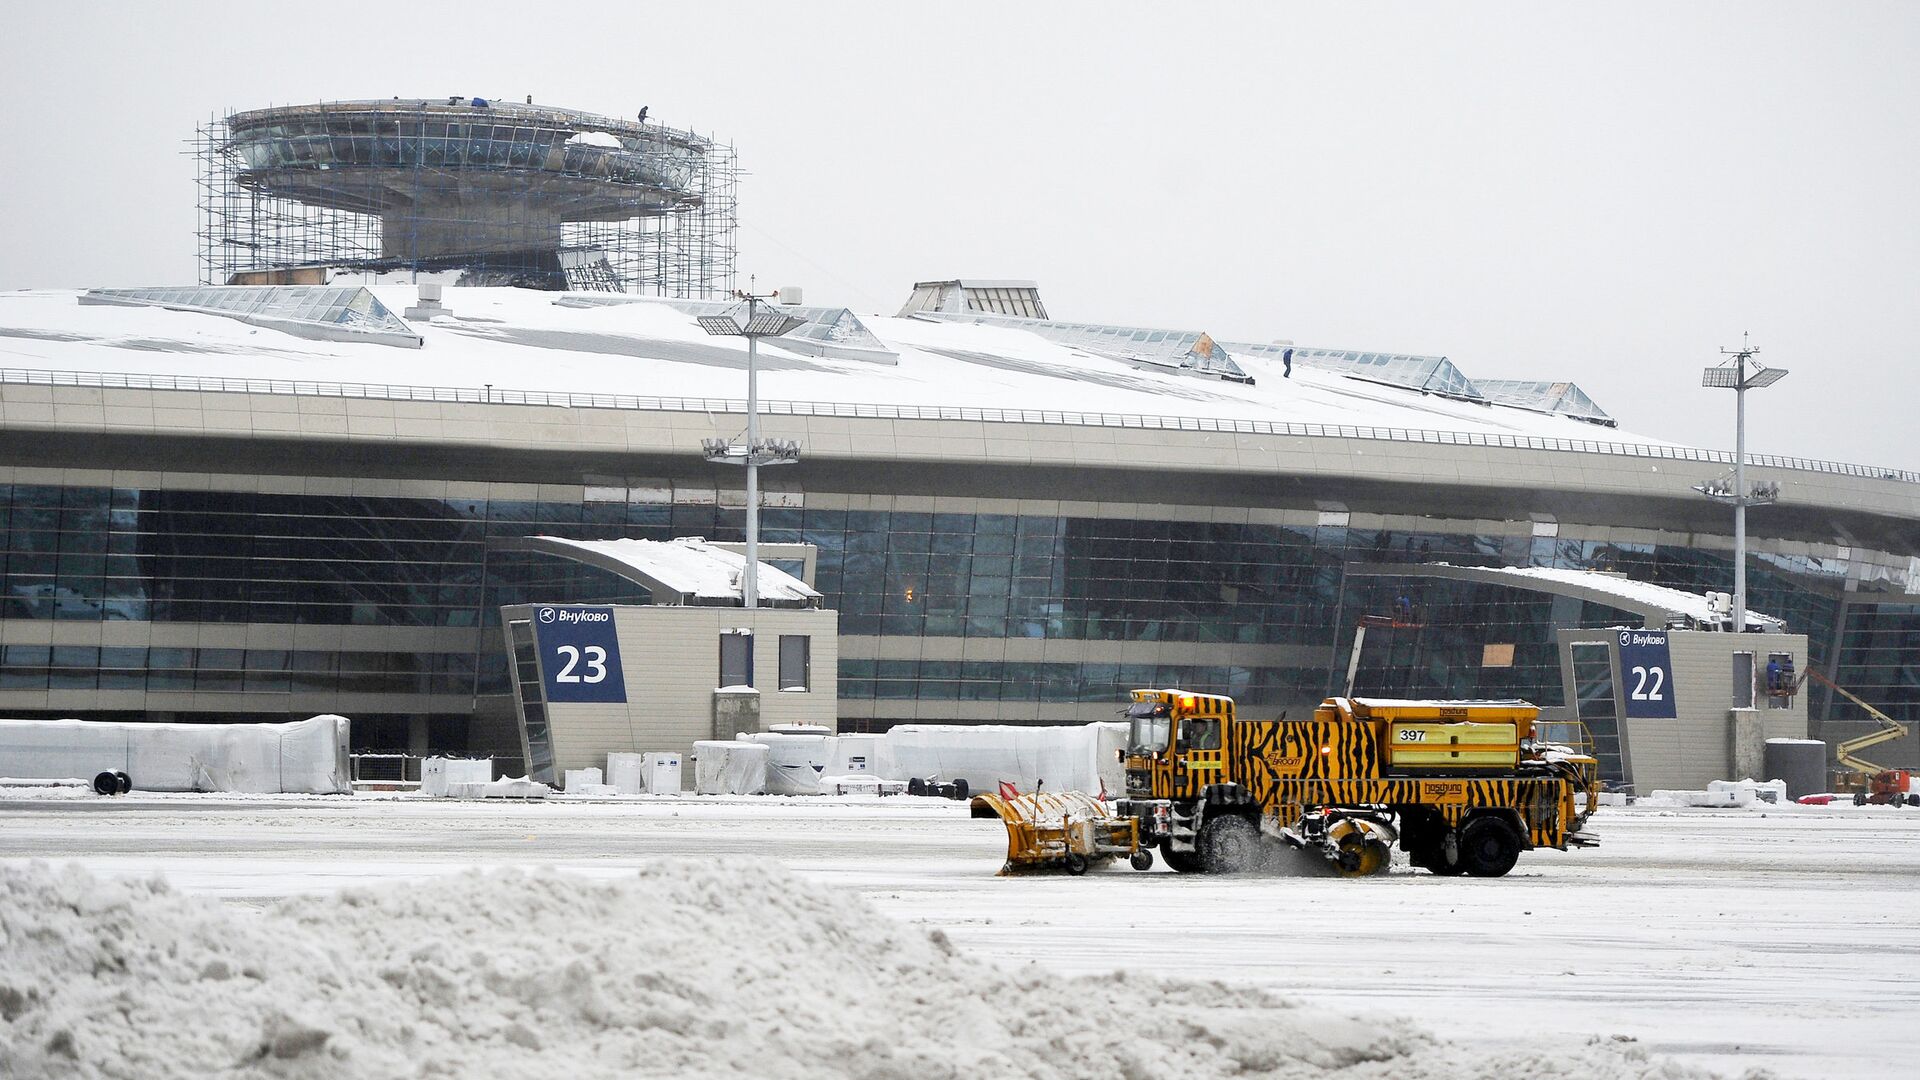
(692, 968)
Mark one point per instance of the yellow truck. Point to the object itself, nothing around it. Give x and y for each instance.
(1461, 786)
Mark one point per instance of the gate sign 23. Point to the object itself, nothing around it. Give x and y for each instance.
(579, 653)
(1646, 674)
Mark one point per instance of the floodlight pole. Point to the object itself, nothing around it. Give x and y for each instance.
(750, 583)
(753, 455)
(1739, 495)
(1742, 374)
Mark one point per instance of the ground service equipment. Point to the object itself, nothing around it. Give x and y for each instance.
(1463, 786)
(1067, 829)
(1870, 783)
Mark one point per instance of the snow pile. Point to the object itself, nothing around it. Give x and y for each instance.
(595, 138)
(693, 968)
(1736, 793)
(507, 787)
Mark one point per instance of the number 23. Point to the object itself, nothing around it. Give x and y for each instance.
(596, 664)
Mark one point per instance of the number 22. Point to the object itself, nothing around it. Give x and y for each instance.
(1641, 692)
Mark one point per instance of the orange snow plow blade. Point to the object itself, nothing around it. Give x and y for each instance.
(1070, 830)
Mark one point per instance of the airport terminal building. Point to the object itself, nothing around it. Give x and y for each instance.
(275, 501)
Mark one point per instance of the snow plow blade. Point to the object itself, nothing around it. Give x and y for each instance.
(1067, 830)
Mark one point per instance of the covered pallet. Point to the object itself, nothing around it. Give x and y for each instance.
(1079, 757)
(303, 756)
(729, 768)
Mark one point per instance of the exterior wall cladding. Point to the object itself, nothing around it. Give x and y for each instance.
(198, 573)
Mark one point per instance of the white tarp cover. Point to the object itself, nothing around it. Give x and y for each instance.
(856, 754)
(626, 772)
(794, 762)
(437, 774)
(662, 774)
(729, 768)
(303, 756)
(1075, 758)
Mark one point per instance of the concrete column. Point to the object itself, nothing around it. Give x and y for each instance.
(735, 711)
(1746, 744)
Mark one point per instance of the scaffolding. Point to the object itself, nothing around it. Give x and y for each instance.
(485, 193)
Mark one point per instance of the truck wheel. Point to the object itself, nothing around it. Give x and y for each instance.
(1438, 850)
(106, 784)
(1859, 798)
(125, 782)
(1488, 847)
(1228, 844)
(1180, 862)
(1141, 860)
(1076, 863)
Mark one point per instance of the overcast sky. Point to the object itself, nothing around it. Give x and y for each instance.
(1606, 193)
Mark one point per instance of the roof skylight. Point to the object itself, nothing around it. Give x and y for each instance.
(328, 312)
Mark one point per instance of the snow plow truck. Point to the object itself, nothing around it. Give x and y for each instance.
(1462, 786)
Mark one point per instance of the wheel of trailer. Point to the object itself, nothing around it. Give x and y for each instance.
(1228, 844)
(1141, 860)
(1859, 798)
(125, 783)
(1180, 862)
(916, 786)
(1076, 863)
(106, 784)
(1488, 847)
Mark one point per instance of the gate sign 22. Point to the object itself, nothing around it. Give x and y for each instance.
(579, 654)
(1646, 674)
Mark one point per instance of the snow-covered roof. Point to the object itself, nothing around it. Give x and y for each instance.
(689, 569)
(523, 340)
(1638, 594)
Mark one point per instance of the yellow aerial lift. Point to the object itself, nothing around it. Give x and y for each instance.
(1872, 783)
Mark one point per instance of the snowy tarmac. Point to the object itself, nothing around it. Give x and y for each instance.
(1783, 939)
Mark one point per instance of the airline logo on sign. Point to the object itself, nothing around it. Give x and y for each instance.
(1646, 674)
(579, 654)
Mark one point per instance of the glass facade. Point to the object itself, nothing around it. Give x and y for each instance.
(169, 556)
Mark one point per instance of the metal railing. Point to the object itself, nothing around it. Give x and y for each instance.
(568, 400)
(396, 771)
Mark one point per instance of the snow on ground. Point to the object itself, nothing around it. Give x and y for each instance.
(1778, 939)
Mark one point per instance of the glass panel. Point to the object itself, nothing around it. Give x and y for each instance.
(1743, 680)
(795, 661)
(736, 659)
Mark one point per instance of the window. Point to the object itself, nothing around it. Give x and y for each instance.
(1743, 680)
(1200, 734)
(1782, 680)
(736, 658)
(796, 662)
